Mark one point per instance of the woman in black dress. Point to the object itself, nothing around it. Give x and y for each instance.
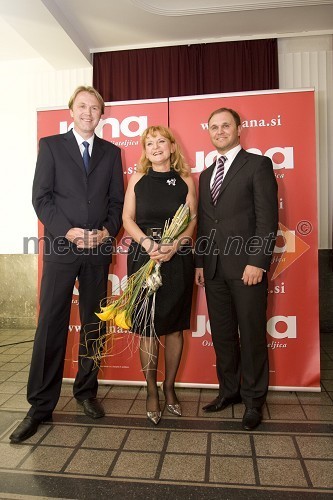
(161, 184)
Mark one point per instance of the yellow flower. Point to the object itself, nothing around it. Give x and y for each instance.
(107, 308)
(107, 313)
(123, 321)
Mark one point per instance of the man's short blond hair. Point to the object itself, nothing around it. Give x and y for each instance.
(91, 90)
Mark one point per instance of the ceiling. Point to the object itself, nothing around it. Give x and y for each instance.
(67, 32)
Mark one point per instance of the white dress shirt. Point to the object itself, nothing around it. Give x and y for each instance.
(80, 140)
(230, 155)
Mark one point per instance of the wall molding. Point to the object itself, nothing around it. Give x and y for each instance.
(212, 6)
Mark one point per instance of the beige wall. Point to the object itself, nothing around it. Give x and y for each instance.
(25, 86)
(18, 291)
(28, 85)
(308, 62)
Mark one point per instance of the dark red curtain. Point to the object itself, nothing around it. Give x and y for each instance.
(186, 70)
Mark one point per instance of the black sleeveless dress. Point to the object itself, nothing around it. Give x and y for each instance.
(158, 197)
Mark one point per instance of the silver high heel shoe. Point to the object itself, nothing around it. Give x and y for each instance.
(154, 416)
(175, 409)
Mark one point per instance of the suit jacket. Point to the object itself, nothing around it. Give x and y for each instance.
(241, 227)
(65, 196)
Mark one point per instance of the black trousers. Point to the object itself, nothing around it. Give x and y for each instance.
(237, 315)
(48, 357)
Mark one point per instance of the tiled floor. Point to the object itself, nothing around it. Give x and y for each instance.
(197, 456)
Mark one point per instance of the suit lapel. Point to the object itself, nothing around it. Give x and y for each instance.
(73, 149)
(97, 153)
(236, 165)
(206, 180)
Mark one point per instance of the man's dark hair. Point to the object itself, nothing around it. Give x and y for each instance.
(229, 110)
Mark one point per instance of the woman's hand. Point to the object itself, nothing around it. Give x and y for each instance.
(149, 245)
(164, 252)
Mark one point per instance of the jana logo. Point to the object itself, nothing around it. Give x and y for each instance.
(131, 126)
(292, 248)
(278, 327)
(282, 158)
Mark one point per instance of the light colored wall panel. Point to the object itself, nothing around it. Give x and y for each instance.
(18, 291)
(26, 86)
(307, 62)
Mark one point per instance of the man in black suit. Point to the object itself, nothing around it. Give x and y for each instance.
(78, 195)
(238, 218)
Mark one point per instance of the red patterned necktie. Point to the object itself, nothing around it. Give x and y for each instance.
(215, 189)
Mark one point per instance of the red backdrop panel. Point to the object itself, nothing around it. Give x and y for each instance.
(279, 124)
(122, 124)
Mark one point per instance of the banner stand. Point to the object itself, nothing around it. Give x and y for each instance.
(279, 124)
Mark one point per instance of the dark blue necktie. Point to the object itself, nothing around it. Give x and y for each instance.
(86, 155)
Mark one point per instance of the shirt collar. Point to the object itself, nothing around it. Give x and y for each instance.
(80, 139)
(231, 154)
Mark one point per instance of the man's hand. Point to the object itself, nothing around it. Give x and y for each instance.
(102, 236)
(76, 236)
(84, 238)
(199, 277)
(252, 275)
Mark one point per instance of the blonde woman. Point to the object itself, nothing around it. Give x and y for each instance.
(161, 184)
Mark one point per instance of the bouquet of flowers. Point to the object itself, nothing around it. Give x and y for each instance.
(146, 281)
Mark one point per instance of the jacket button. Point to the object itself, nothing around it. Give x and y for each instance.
(89, 202)
(216, 221)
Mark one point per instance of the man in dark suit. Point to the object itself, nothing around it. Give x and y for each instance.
(238, 218)
(78, 195)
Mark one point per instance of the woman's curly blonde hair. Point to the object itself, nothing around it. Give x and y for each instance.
(177, 161)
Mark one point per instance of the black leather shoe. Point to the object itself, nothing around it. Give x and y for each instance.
(220, 403)
(251, 418)
(27, 428)
(92, 408)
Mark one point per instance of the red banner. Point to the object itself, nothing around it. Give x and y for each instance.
(278, 124)
(122, 124)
